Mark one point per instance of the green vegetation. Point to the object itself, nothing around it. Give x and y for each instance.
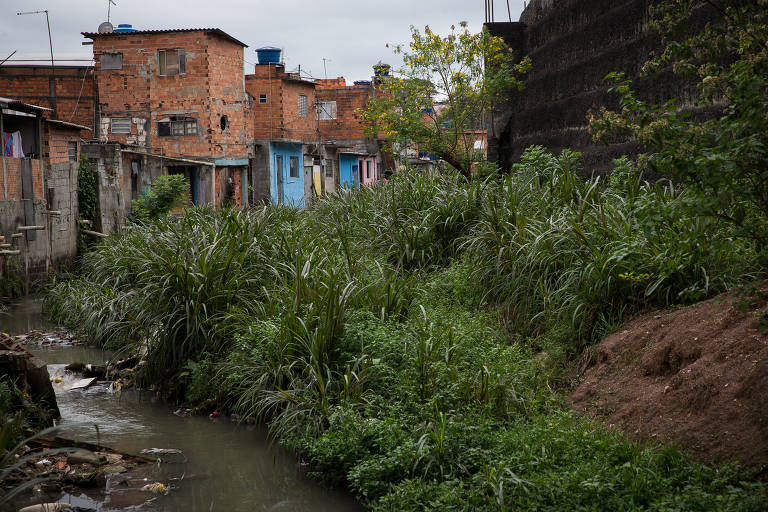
(409, 340)
(166, 193)
(725, 157)
(438, 97)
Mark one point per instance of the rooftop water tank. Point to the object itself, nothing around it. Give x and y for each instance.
(268, 54)
(362, 82)
(125, 28)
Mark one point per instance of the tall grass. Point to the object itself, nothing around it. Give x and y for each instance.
(394, 335)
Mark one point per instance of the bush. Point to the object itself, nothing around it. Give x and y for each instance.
(166, 193)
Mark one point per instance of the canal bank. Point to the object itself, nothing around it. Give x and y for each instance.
(225, 466)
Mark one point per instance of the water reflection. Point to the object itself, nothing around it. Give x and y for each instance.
(229, 467)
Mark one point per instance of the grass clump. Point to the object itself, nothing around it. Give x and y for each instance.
(407, 340)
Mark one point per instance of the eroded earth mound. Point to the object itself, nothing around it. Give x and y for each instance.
(696, 376)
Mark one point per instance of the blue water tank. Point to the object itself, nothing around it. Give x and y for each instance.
(362, 82)
(125, 28)
(268, 54)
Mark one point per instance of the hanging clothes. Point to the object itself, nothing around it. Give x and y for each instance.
(12, 145)
(7, 144)
(18, 150)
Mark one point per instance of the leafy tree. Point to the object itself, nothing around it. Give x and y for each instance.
(166, 193)
(725, 158)
(441, 92)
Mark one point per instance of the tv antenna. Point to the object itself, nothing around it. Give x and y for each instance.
(110, 3)
(325, 70)
(47, 22)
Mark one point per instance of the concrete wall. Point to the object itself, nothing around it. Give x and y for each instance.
(108, 163)
(573, 45)
(55, 246)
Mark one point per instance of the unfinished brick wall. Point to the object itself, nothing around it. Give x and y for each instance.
(69, 90)
(279, 118)
(13, 175)
(56, 143)
(212, 86)
(350, 99)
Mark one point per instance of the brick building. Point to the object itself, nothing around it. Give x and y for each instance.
(38, 190)
(175, 99)
(286, 144)
(357, 158)
(68, 91)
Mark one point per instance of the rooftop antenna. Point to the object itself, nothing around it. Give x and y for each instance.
(47, 21)
(110, 3)
(325, 70)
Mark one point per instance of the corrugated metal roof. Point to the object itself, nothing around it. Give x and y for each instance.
(58, 122)
(21, 106)
(217, 31)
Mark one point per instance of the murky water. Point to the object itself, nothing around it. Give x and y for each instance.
(228, 467)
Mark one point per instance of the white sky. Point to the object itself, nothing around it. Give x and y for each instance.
(352, 34)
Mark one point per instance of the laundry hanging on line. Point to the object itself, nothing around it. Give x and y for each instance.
(12, 145)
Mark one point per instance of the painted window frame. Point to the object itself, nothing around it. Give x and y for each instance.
(162, 62)
(293, 167)
(263, 99)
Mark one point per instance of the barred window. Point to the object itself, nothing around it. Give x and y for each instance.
(303, 108)
(121, 125)
(171, 62)
(262, 98)
(326, 110)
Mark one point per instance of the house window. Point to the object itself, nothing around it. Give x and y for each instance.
(303, 109)
(111, 61)
(329, 169)
(368, 170)
(176, 126)
(171, 62)
(121, 125)
(326, 110)
(72, 150)
(262, 98)
(294, 167)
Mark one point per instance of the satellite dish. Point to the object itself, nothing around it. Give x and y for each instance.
(106, 28)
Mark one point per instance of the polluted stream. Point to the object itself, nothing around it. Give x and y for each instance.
(222, 465)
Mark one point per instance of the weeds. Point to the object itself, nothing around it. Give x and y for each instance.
(404, 338)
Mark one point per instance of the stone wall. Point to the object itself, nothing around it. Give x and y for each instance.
(573, 45)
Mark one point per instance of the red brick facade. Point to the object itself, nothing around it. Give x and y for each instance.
(139, 97)
(57, 142)
(276, 97)
(69, 90)
(350, 99)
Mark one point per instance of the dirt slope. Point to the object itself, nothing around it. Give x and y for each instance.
(696, 376)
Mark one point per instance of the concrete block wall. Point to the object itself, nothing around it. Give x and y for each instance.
(573, 45)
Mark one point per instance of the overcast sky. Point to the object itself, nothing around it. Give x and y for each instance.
(351, 34)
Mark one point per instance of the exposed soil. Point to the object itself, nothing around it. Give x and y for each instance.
(696, 376)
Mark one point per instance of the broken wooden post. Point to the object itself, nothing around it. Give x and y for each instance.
(17, 235)
(10, 253)
(30, 228)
